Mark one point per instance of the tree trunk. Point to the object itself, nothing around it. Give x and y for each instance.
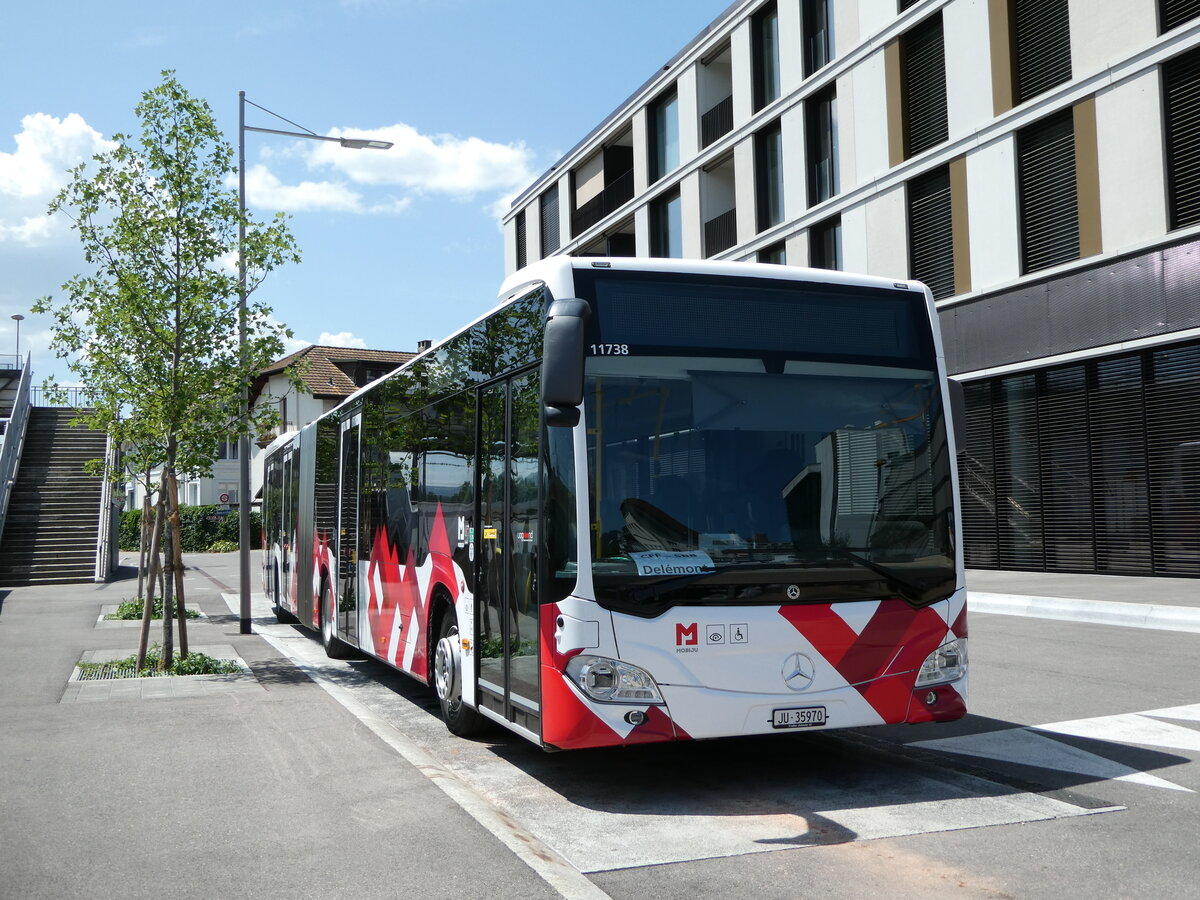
(148, 602)
(176, 550)
(143, 541)
(168, 619)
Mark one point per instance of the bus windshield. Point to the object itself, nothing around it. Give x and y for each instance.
(754, 441)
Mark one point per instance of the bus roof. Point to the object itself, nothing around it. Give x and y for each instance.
(553, 268)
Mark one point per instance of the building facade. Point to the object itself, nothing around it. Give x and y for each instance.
(1035, 162)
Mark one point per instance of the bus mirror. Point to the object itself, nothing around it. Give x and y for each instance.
(562, 361)
(958, 415)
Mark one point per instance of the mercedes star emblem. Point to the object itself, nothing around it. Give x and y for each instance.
(798, 671)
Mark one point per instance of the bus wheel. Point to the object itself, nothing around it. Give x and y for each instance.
(335, 647)
(282, 616)
(460, 719)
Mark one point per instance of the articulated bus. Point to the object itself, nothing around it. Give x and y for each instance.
(644, 500)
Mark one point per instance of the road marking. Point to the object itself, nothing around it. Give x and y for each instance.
(1034, 746)
(1130, 728)
(584, 824)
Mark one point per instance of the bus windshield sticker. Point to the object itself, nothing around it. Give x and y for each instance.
(672, 562)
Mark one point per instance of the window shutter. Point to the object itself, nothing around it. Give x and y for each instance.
(1048, 198)
(1173, 13)
(1181, 104)
(549, 210)
(1042, 46)
(522, 256)
(931, 232)
(924, 86)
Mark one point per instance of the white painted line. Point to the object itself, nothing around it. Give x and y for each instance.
(548, 864)
(1130, 728)
(1183, 713)
(1030, 746)
(1097, 612)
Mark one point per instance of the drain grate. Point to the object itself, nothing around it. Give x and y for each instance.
(105, 672)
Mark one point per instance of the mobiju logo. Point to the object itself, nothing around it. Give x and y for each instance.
(687, 635)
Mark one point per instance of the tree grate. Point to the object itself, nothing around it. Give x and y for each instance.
(104, 672)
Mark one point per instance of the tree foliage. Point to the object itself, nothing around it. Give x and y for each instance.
(151, 327)
(151, 331)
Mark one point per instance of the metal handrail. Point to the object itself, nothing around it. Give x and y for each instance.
(12, 441)
(76, 398)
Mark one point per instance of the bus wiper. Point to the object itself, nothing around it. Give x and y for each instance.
(650, 591)
(909, 590)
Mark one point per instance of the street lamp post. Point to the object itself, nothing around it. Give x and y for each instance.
(18, 318)
(244, 411)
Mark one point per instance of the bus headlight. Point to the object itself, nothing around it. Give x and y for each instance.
(947, 663)
(612, 681)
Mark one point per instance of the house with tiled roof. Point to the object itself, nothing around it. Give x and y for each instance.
(330, 375)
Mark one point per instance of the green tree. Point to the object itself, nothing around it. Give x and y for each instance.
(151, 330)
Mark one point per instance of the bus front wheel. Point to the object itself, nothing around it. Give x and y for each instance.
(460, 719)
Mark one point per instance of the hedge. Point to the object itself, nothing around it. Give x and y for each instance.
(199, 526)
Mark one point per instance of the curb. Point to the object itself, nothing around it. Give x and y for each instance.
(1096, 612)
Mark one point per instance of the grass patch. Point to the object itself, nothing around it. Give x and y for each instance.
(194, 664)
(222, 546)
(132, 609)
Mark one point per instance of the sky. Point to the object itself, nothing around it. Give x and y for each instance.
(480, 98)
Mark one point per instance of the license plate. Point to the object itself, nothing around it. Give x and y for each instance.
(801, 717)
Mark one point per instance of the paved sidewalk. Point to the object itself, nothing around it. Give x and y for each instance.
(259, 787)
(1169, 604)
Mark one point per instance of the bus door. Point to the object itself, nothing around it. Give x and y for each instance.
(287, 537)
(505, 558)
(346, 624)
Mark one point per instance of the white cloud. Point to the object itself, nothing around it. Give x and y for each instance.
(264, 189)
(341, 339)
(47, 147)
(443, 164)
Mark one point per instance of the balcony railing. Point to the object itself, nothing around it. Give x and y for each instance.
(75, 398)
(720, 233)
(616, 193)
(717, 122)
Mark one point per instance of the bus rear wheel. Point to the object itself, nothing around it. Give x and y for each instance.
(335, 647)
(460, 719)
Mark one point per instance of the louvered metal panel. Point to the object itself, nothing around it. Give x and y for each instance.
(1041, 46)
(976, 476)
(1092, 467)
(1048, 198)
(1181, 107)
(923, 85)
(1173, 446)
(1118, 458)
(522, 255)
(931, 232)
(1173, 13)
(549, 222)
(1018, 478)
(1065, 470)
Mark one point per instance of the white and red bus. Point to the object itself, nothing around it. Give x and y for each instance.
(645, 500)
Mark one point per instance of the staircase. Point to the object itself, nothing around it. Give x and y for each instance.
(53, 516)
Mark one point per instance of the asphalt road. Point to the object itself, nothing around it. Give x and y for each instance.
(1075, 776)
